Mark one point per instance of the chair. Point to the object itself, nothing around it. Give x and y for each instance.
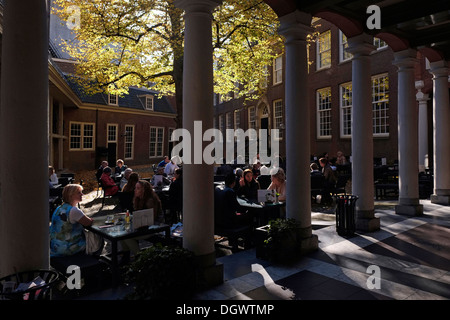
(317, 184)
(126, 200)
(264, 181)
(341, 184)
(104, 193)
(63, 181)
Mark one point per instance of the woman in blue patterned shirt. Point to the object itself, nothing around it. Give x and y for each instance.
(68, 222)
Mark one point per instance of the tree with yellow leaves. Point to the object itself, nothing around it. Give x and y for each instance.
(120, 44)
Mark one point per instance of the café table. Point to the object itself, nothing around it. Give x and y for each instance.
(117, 232)
(263, 212)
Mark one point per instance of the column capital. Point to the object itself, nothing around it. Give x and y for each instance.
(205, 6)
(295, 26)
(439, 69)
(405, 59)
(360, 45)
(420, 96)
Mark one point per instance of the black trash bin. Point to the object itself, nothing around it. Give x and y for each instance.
(345, 215)
(44, 280)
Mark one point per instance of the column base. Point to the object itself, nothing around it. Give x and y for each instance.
(308, 245)
(210, 272)
(366, 221)
(440, 199)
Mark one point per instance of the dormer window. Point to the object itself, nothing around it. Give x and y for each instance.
(113, 99)
(149, 103)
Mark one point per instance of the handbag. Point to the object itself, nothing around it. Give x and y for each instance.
(94, 242)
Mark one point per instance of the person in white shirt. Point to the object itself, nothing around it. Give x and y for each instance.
(170, 168)
(52, 177)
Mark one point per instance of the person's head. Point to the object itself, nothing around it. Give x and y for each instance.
(72, 193)
(339, 154)
(51, 170)
(143, 189)
(279, 176)
(166, 159)
(104, 163)
(127, 173)
(248, 175)
(230, 180)
(178, 173)
(160, 170)
(133, 178)
(107, 170)
(323, 162)
(119, 163)
(239, 172)
(314, 166)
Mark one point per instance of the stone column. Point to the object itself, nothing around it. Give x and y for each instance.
(295, 27)
(362, 133)
(198, 201)
(24, 211)
(422, 99)
(441, 133)
(407, 135)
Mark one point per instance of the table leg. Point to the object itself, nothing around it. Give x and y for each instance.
(114, 264)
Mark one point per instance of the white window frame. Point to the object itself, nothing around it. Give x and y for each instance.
(278, 117)
(129, 142)
(278, 70)
(113, 99)
(156, 141)
(324, 112)
(252, 120)
(221, 127)
(380, 115)
(83, 138)
(323, 49)
(343, 43)
(149, 100)
(116, 134)
(345, 107)
(379, 43)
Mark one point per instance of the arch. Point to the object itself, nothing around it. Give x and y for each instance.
(281, 7)
(396, 43)
(348, 26)
(431, 54)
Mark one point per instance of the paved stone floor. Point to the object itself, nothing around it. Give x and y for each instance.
(412, 255)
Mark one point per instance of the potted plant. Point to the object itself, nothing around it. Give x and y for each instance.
(281, 240)
(163, 272)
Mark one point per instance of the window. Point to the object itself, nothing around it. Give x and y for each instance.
(278, 117)
(237, 119)
(111, 133)
(113, 99)
(252, 121)
(229, 124)
(129, 141)
(148, 102)
(324, 113)
(324, 50)
(380, 105)
(345, 91)
(380, 44)
(343, 43)
(81, 136)
(221, 127)
(277, 70)
(156, 141)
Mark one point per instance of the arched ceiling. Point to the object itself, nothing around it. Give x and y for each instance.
(423, 25)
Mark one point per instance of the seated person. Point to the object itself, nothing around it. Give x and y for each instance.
(248, 186)
(126, 175)
(163, 162)
(227, 208)
(315, 169)
(176, 196)
(120, 167)
(67, 227)
(99, 172)
(52, 177)
(279, 184)
(127, 195)
(170, 168)
(160, 178)
(109, 186)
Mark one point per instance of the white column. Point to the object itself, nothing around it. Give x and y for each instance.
(295, 28)
(362, 135)
(422, 99)
(441, 134)
(24, 240)
(407, 135)
(198, 198)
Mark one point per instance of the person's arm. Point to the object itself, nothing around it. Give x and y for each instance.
(76, 215)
